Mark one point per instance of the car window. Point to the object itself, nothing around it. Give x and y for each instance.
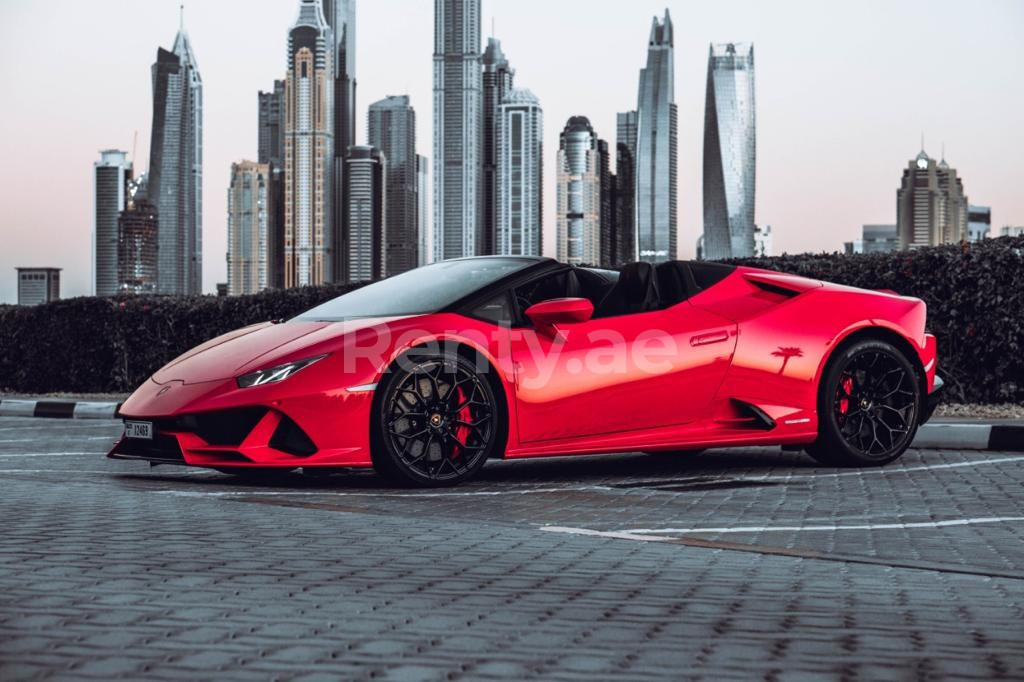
(551, 286)
(424, 290)
(497, 310)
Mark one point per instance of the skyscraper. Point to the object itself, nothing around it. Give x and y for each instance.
(578, 192)
(309, 162)
(608, 229)
(729, 152)
(497, 83)
(137, 241)
(271, 152)
(458, 227)
(656, 163)
(176, 168)
(931, 207)
(624, 239)
(366, 195)
(392, 130)
(248, 219)
(111, 175)
(519, 130)
(341, 17)
(425, 236)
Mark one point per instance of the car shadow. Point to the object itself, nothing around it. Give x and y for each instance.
(577, 470)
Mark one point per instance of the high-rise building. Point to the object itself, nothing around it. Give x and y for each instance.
(392, 130)
(624, 239)
(729, 152)
(1011, 231)
(309, 164)
(979, 222)
(931, 206)
(137, 241)
(38, 285)
(497, 84)
(578, 194)
(248, 220)
(458, 135)
(176, 168)
(425, 236)
(656, 148)
(519, 128)
(271, 152)
(609, 212)
(111, 175)
(366, 194)
(341, 17)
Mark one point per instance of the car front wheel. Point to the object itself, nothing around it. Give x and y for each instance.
(436, 421)
(869, 404)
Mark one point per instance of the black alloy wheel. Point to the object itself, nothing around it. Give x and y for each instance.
(869, 406)
(436, 422)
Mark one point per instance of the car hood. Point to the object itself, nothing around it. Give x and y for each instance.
(255, 347)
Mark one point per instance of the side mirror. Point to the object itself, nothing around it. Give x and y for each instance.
(556, 311)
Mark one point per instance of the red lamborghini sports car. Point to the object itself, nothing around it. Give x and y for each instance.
(426, 375)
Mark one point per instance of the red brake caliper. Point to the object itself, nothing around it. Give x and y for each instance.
(845, 391)
(462, 432)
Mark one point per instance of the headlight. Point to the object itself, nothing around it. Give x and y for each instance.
(275, 374)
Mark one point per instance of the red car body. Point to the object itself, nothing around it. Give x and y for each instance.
(750, 349)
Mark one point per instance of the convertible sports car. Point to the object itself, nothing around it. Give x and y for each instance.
(426, 375)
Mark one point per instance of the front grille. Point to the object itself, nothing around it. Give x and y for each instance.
(163, 448)
(223, 427)
(289, 437)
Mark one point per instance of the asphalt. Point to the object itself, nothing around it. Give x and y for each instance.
(738, 564)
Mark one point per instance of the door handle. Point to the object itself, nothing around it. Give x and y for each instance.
(712, 337)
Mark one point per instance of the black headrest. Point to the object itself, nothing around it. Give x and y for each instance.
(635, 292)
(675, 282)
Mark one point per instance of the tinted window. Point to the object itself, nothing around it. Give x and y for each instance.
(423, 290)
(498, 310)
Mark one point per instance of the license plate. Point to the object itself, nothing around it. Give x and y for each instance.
(138, 430)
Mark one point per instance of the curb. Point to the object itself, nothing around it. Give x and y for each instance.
(931, 436)
(58, 409)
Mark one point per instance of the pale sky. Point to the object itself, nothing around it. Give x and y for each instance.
(843, 93)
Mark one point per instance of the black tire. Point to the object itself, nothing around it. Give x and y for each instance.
(436, 421)
(675, 453)
(869, 405)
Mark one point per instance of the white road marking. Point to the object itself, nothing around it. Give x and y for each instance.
(52, 454)
(36, 440)
(644, 533)
(879, 470)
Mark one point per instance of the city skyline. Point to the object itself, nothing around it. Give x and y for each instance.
(801, 120)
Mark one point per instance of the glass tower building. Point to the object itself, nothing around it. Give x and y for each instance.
(497, 84)
(578, 192)
(519, 178)
(248, 218)
(656, 148)
(111, 177)
(309, 161)
(176, 168)
(392, 130)
(366, 199)
(341, 17)
(458, 135)
(729, 152)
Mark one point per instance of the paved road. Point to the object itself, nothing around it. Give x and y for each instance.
(747, 563)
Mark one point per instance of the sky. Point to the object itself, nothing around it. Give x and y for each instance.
(844, 92)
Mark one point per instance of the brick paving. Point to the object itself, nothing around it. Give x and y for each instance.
(126, 572)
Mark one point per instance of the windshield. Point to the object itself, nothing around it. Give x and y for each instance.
(423, 290)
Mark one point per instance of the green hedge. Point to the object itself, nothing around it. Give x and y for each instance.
(974, 292)
(975, 297)
(92, 344)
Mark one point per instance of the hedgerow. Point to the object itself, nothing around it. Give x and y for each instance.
(974, 292)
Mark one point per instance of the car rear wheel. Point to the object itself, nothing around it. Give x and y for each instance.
(436, 421)
(869, 404)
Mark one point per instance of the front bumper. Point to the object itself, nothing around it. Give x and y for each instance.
(932, 400)
(209, 425)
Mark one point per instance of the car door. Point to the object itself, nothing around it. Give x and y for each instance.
(617, 374)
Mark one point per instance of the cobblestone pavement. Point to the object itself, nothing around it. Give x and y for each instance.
(740, 564)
